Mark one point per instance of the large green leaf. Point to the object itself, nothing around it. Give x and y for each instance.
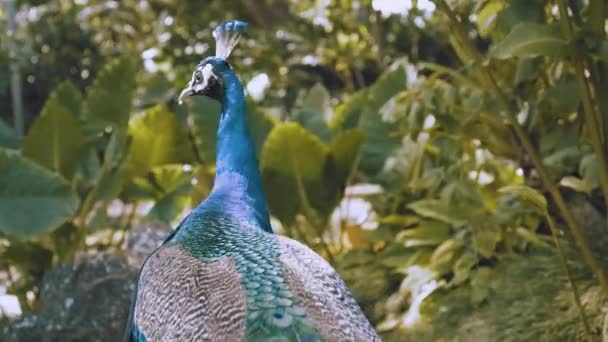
(171, 185)
(362, 110)
(344, 149)
(108, 101)
(68, 96)
(8, 137)
(291, 157)
(158, 138)
(33, 200)
(312, 112)
(530, 40)
(55, 140)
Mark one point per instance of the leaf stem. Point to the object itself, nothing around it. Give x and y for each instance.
(490, 83)
(593, 117)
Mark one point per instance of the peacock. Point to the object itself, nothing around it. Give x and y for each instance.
(223, 275)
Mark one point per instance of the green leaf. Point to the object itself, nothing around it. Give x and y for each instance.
(108, 101)
(527, 194)
(362, 110)
(55, 140)
(444, 255)
(575, 184)
(344, 149)
(485, 241)
(8, 137)
(313, 112)
(292, 156)
(33, 200)
(486, 17)
(68, 96)
(400, 220)
(589, 171)
(437, 210)
(564, 95)
(462, 268)
(347, 114)
(172, 185)
(115, 166)
(427, 233)
(481, 284)
(158, 138)
(518, 11)
(601, 53)
(531, 40)
(528, 69)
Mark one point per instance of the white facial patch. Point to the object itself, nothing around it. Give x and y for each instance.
(207, 74)
(197, 85)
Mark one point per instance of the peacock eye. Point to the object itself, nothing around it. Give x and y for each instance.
(198, 76)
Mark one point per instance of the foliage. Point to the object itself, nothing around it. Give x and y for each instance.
(476, 143)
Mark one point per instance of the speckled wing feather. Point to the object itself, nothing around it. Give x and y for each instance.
(321, 291)
(182, 298)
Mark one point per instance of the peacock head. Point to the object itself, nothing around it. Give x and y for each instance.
(207, 77)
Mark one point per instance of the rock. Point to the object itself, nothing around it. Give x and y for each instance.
(88, 299)
(143, 239)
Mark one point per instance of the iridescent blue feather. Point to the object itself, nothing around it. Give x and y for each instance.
(223, 275)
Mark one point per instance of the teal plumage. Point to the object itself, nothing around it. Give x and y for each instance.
(223, 275)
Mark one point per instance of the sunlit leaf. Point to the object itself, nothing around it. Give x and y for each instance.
(485, 240)
(575, 184)
(427, 233)
(486, 17)
(437, 210)
(444, 256)
(527, 194)
(462, 267)
(158, 139)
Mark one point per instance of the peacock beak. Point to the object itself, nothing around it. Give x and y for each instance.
(188, 91)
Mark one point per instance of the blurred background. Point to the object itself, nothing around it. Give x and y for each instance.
(447, 157)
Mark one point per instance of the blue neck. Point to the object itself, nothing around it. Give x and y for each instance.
(237, 189)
